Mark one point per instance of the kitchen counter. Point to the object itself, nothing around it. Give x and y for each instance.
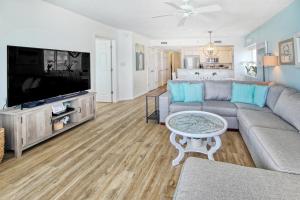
(205, 74)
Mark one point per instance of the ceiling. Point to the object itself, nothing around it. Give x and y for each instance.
(238, 17)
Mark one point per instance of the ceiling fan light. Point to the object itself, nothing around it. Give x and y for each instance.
(187, 9)
(186, 14)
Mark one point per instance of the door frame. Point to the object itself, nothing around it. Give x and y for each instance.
(113, 66)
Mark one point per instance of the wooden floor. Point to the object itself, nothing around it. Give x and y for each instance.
(116, 156)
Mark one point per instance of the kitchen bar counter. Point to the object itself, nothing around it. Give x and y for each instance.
(205, 74)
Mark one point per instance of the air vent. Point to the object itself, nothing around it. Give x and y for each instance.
(164, 43)
(217, 41)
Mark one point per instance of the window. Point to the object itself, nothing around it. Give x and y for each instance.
(250, 67)
(253, 53)
(297, 46)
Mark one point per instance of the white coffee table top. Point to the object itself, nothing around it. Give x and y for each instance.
(196, 124)
(200, 132)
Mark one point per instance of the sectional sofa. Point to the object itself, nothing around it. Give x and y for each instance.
(209, 180)
(271, 133)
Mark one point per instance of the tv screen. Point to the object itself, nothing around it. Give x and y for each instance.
(36, 74)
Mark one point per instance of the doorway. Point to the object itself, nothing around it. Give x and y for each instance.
(105, 68)
(174, 63)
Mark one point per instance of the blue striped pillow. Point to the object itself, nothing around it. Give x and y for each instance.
(177, 91)
(193, 92)
(260, 95)
(242, 93)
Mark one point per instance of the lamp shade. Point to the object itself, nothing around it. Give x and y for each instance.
(270, 61)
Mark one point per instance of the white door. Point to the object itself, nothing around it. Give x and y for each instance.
(151, 70)
(103, 70)
(157, 67)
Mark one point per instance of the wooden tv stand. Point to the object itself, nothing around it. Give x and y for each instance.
(28, 127)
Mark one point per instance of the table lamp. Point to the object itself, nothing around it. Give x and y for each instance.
(269, 61)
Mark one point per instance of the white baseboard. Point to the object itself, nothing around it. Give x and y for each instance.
(140, 94)
(134, 97)
(125, 99)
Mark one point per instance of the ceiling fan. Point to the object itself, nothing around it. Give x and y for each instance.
(187, 10)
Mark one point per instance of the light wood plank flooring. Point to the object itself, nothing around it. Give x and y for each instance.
(116, 156)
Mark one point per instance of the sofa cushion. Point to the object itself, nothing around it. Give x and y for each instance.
(281, 148)
(181, 106)
(273, 95)
(209, 180)
(232, 122)
(247, 106)
(252, 118)
(218, 90)
(164, 102)
(288, 107)
(223, 108)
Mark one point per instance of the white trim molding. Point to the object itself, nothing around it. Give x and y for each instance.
(297, 49)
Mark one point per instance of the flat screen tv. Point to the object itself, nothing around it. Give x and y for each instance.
(37, 74)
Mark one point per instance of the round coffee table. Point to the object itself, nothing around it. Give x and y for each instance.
(200, 132)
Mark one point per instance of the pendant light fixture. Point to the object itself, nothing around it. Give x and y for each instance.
(210, 50)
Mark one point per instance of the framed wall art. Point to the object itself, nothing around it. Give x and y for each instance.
(140, 57)
(287, 52)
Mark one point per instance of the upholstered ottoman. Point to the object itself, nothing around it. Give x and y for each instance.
(204, 179)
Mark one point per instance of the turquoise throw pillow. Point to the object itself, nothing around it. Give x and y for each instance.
(193, 92)
(242, 93)
(260, 95)
(177, 91)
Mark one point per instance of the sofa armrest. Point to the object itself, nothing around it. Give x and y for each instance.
(164, 103)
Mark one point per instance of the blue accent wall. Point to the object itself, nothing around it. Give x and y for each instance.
(282, 26)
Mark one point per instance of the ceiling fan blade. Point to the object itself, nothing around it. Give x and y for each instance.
(207, 9)
(173, 5)
(160, 16)
(182, 21)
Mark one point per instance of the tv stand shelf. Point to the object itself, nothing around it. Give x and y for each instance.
(66, 113)
(28, 127)
(67, 127)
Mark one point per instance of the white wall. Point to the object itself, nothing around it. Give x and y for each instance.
(240, 52)
(125, 63)
(140, 78)
(131, 83)
(35, 23)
